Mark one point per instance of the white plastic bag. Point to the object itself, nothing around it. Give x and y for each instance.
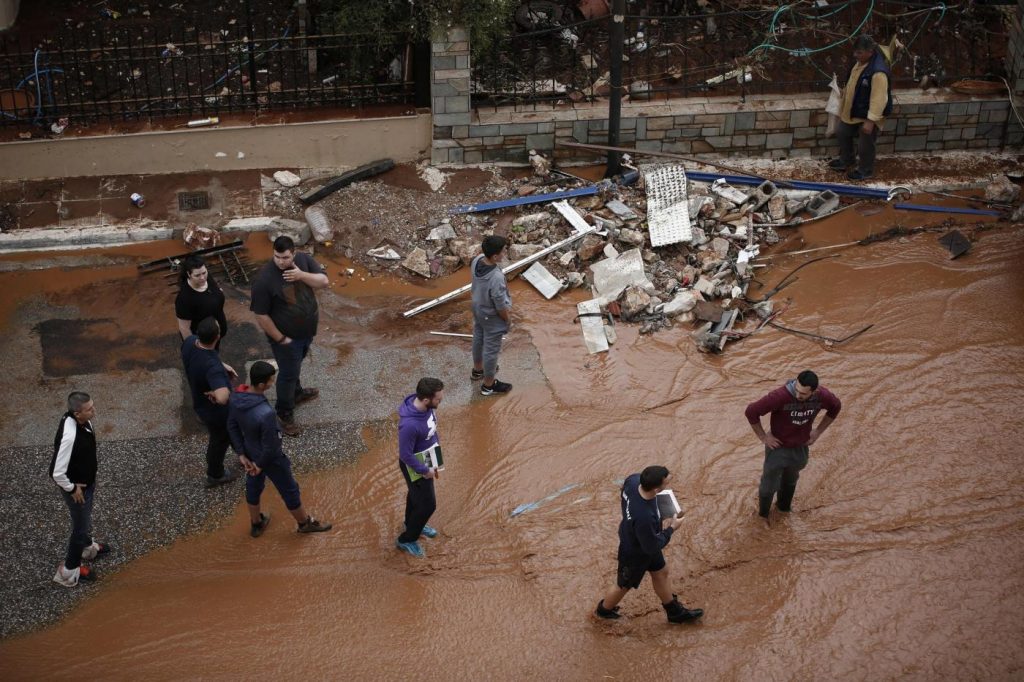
(834, 107)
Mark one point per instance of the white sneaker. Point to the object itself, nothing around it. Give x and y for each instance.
(65, 577)
(89, 553)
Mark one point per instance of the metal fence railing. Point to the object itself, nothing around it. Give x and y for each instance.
(191, 69)
(786, 49)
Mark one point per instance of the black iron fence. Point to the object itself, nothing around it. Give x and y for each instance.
(784, 49)
(137, 71)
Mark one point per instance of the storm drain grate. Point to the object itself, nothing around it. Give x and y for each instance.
(193, 201)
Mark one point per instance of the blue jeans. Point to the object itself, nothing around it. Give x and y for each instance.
(289, 359)
(81, 526)
(279, 471)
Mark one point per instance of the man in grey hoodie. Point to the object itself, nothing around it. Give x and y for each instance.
(491, 319)
(256, 437)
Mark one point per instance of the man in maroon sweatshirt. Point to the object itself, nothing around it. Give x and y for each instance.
(793, 408)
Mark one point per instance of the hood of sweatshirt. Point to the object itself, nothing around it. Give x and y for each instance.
(247, 401)
(408, 410)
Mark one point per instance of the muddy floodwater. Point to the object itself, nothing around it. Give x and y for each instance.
(902, 559)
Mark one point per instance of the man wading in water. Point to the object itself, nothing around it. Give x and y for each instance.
(641, 539)
(786, 446)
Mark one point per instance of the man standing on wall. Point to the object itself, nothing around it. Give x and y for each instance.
(73, 469)
(867, 100)
(492, 305)
(210, 382)
(417, 434)
(793, 408)
(286, 309)
(641, 539)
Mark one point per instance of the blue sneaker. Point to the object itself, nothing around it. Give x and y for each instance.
(429, 532)
(412, 548)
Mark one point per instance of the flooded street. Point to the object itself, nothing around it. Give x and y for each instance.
(902, 559)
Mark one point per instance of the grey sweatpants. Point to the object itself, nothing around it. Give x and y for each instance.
(782, 466)
(487, 333)
(849, 137)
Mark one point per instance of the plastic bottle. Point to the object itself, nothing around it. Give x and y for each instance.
(320, 224)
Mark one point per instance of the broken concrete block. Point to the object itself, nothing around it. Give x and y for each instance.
(526, 190)
(442, 232)
(704, 286)
(566, 259)
(650, 256)
(795, 206)
(287, 178)
(417, 262)
(634, 301)
(630, 236)
(823, 203)
(777, 207)
(762, 193)
(450, 263)
(683, 302)
(698, 236)
(724, 190)
(575, 279)
(700, 206)
(770, 236)
(621, 210)
(610, 251)
(298, 230)
(1002, 189)
(532, 221)
(521, 251)
(590, 247)
(720, 246)
(465, 249)
(386, 253)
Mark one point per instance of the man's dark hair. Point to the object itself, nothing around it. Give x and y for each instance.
(864, 42)
(192, 263)
(428, 387)
(808, 378)
(652, 477)
(284, 243)
(76, 400)
(208, 330)
(493, 245)
(260, 373)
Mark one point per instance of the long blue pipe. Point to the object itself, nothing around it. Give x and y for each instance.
(842, 190)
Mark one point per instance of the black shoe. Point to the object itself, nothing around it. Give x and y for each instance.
(257, 528)
(228, 476)
(478, 374)
(677, 613)
(288, 426)
(838, 165)
(610, 614)
(858, 175)
(785, 501)
(764, 505)
(306, 394)
(496, 388)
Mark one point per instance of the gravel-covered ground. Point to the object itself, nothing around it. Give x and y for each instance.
(149, 493)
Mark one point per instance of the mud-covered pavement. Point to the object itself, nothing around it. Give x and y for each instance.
(902, 557)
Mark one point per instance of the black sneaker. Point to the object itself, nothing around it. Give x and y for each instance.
(228, 476)
(838, 165)
(311, 525)
(677, 613)
(257, 528)
(496, 388)
(610, 614)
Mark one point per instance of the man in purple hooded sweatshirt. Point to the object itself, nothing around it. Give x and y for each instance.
(793, 408)
(417, 434)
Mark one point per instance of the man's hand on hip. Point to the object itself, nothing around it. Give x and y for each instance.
(771, 441)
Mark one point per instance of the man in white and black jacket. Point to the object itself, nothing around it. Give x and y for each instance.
(73, 469)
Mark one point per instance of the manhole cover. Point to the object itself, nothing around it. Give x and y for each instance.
(193, 201)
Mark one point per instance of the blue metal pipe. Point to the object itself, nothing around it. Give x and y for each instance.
(946, 209)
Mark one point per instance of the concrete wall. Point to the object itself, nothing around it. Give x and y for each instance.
(328, 144)
(771, 126)
(8, 13)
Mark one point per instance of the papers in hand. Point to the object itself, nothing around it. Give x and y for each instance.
(431, 457)
(668, 506)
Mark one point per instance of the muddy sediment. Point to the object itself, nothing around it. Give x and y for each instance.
(901, 559)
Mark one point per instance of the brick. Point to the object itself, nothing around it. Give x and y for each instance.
(518, 128)
(493, 140)
(729, 125)
(446, 74)
(804, 144)
(968, 133)
(598, 124)
(687, 132)
(992, 106)
(462, 61)
(655, 134)
(443, 89)
(455, 155)
(708, 132)
(442, 132)
(709, 118)
(580, 131)
(473, 156)
(799, 119)
(756, 140)
(649, 145)
(641, 128)
(805, 133)
(439, 62)
(765, 116)
(684, 119)
(997, 116)
(960, 120)
(925, 121)
(438, 105)
(483, 131)
(772, 125)
(935, 134)
(680, 147)
(745, 120)
(973, 108)
(911, 143)
(940, 118)
(933, 146)
(739, 141)
(779, 140)
(957, 109)
(800, 153)
(719, 141)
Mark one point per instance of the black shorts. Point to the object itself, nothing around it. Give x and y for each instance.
(633, 568)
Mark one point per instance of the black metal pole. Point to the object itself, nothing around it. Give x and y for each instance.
(616, 40)
(251, 45)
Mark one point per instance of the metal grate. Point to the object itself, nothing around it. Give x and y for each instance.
(193, 201)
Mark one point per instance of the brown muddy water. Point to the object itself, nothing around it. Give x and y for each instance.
(902, 559)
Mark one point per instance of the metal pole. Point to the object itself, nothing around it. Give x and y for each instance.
(251, 45)
(616, 40)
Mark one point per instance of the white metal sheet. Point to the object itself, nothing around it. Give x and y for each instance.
(592, 326)
(668, 211)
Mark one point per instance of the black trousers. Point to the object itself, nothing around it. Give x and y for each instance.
(216, 447)
(420, 503)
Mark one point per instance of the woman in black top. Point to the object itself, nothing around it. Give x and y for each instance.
(199, 297)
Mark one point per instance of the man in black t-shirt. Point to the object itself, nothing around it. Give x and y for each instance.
(641, 539)
(284, 300)
(210, 382)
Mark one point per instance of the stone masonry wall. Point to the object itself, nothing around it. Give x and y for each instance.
(449, 92)
(764, 126)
